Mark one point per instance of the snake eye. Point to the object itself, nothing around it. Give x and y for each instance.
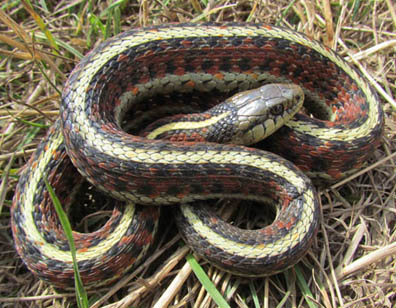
(277, 109)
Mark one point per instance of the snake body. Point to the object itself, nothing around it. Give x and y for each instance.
(104, 255)
(124, 72)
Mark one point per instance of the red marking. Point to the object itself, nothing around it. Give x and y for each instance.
(214, 220)
(267, 231)
(253, 75)
(149, 53)
(328, 144)
(248, 40)
(190, 84)
(122, 58)
(280, 224)
(286, 201)
(134, 90)
(145, 238)
(144, 79)
(179, 71)
(186, 44)
(219, 76)
(153, 170)
(291, 223)
(276, 71)
(335, 174)
(267, 27)
(124, 240)
(154, 194)
(268, 47)
(228, 262)
(181, 195)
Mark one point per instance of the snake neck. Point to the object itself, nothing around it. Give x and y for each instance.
(216, 125)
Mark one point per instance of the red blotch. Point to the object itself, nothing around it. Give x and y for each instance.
(122, 57)
(335, 174)
(280, 224)
(186, 44)
(219, 76)
(214, 220)
(179, 71)
(190, 84)
(291, 223)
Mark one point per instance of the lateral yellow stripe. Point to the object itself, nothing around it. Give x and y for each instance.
(275, 248)
(118, 46)
(48, 249)
(186, 125)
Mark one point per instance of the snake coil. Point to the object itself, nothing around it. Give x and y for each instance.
(135, 67)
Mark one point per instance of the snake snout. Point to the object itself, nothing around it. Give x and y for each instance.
(276, 99)
(283, 98)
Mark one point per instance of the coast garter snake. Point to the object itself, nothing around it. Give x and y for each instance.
(128, 74)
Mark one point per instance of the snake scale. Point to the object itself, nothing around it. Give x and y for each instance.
(124, 77)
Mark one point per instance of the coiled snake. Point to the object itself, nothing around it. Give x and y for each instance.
(129, 73)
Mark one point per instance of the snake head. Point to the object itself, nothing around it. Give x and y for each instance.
(245, 118)
(261, 111)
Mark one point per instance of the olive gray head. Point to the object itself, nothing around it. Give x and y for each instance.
(260, 112)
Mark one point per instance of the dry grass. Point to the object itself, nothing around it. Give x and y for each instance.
(352, 261)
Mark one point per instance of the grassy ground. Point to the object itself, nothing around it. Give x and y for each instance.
(351, 263)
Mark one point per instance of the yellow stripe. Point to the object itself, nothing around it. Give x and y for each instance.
(275, 248)
(118, 46)
(186, 125)
(27, 208)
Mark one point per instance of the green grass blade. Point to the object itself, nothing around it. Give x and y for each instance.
(207, 283)
(115, 4)
(284, 299)
(284, 12)
(39, 125)
(96, 24)
(62, 44)
(304, 287)
(41, 24)
(28, 137)
(81, 294)
(117, 20)
(254, 294)
(108, 25)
